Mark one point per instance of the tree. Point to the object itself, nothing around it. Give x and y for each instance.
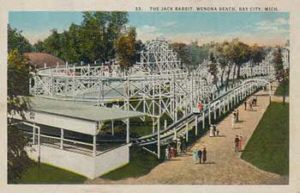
(98, 33)
(223, 51)
(221, 59)
(17, 74)
(196, 54)
(213, 69)
(15, 40)
(18, 160)
(183, 53)
(126, 49)
(281, 74)
(256, 54)
(236, 53)
(18, 77)
(192, 54)
(93, 40)
(139, 46)
(53, 44)
(39, 46)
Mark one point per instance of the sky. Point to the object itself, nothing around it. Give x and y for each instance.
(264, 28)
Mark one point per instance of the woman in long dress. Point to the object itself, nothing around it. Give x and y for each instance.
(233, 120)
(204, 156)
(178, 147)
(195, 156)
(211, 131)
(240, 143)
(167, 156)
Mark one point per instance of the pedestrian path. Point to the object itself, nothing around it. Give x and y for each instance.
(223, 166)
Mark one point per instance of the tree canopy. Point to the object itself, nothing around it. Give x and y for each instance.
(281, 74)
(18, 79)
(15, 40)
(93, 40)
(191, 54)
(17, 85)
(126, 48)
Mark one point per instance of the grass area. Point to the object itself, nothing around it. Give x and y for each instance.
(283, 88)
(47, 174)
(140, 128)
(141, 163)
(268, 148)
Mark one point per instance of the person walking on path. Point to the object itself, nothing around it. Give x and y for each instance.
(167, 154)
(255, 100)
(169, 151)
(237, 115)
(183, 146)
(240, 142)
(199, 155)
(211, 131)
(178, 146)
(250, 105)
(236, 143)
(172, 152)
(216, 131)
(195, 156)
(232, 120)
(204, 155)
(234, 113)
(245, 105)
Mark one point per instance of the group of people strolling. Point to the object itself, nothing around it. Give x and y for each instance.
(213, 131)
(251, 102)
(199, 156)
(176, 148)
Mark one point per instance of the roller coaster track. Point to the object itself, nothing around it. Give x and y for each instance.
(179, 128)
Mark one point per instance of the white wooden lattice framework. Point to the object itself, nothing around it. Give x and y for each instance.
(161, 84)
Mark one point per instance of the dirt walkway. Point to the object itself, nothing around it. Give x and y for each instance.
(224, 165)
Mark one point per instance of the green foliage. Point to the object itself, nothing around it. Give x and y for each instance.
(192, 54)
(257, 54)
(268, 148)
(141, 163)
(213, 68)
(277, 60)
(18, 74)
(93, 40)
(139, 128)
(17, 82)
(278, 65)
(16, 41)
(183, 52)
(229, 54)
(283, 88)
(18, 160)
(126, 49)
(47, 174)
(282, 75)
(237, 53)
(17, 85)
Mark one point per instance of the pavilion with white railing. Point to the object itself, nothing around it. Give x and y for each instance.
(48, 123)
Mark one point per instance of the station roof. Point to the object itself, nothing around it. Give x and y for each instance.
(79, 110)
(38, 59)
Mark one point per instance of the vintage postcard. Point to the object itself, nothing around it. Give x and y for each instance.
(149, 96)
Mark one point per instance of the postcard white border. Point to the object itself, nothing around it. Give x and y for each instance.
(291, 6)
